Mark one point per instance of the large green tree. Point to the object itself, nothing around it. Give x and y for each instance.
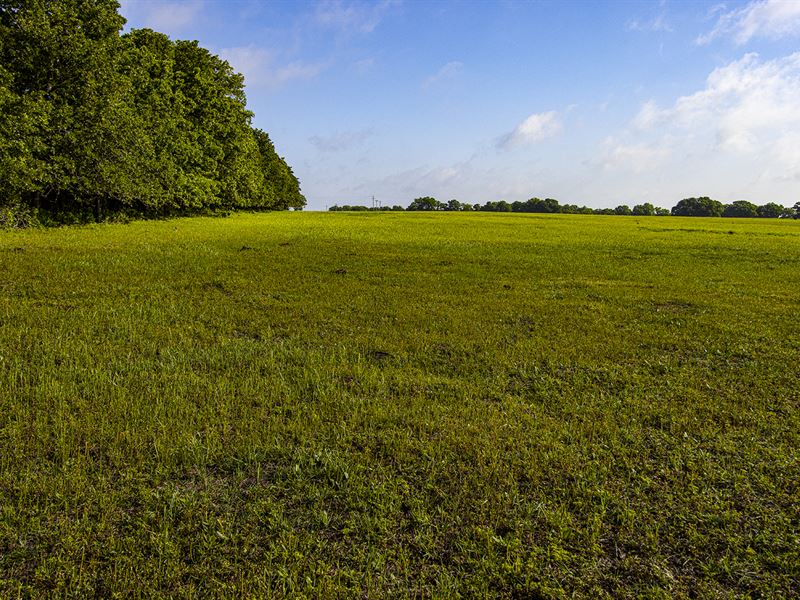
(95, 122)
(61, 59)
(698, 207)
(537, 205)
(770, 210)
(623, 209)
(644, 210)
(740, 208)
(281, 187)
(425, 203)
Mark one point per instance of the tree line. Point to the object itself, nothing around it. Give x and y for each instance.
(95, 124)
(688, 207)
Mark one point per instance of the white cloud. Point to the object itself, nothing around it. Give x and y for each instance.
(648, 116)
(250, 61)
(340, 141)
(787, 153)
(773, 19)
(746, 105)
(258, 65)
(657, 24)
(425, 181)
(353, 17)
(170, 17)
(295, 70)
(446, 73)
(476, 178)
(536, 128)
(636, 157)
(364, 65)
(740, 133)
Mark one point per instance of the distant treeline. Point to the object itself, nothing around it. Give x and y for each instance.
(96, 124)
(688, 207)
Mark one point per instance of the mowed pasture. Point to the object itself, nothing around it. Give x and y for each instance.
(401, 405)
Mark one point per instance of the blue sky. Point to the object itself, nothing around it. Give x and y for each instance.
(590, 103)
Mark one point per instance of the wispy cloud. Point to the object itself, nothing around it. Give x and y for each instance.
(745, 103)
(295, 70)
(364, 65)
(472, 179)
(637, 157)
(648, 116)
(773, 19)
(171, 17)
(786, 152)
(260, 66)
(656, 24)
(536, 128)
(446, 73)
(353, 17)
(747, 110)
(440, 181)
(338, 142)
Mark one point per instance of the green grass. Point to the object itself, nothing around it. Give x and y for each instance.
(407, 405)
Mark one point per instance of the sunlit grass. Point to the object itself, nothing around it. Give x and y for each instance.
(401, 404)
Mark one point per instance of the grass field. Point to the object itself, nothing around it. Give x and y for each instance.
(408, 405)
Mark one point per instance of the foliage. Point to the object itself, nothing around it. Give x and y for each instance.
(97, 124)
(18, 216)
(420, 405)
(362, 208)
(279, 178)
(574, 209)
(426, 203)
(771, 210)
(644, 210)
(537, 205)
(698, 207)
(740, 208)
(499, 206)
(533, 205)
(688, 207)
(454, 205)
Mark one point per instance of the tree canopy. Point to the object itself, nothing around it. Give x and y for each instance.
(95, 122)
(688, 207)
(644, 210)
(771, 210)
(740, 208)
(698, 207)
(426, 203)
